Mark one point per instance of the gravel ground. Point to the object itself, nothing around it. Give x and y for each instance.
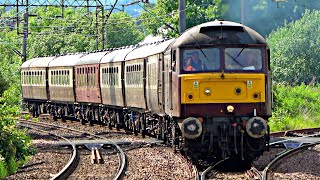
(267, 157)
(260, 163)
(156, 163)
(304, 165)
(87, 170)
(227, 175)
(96, 129)
(143, 162)
(48, 159)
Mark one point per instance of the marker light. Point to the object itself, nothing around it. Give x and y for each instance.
(230, 109)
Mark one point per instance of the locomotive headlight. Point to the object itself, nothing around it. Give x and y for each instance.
(207, 91)
(191, 128)
(230, 109)
(256, 127)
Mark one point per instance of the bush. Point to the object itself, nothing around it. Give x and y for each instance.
(295, 107)
(15, 145)
(295, 50)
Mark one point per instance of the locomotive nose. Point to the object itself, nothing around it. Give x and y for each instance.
(191, 128)
(256, 127)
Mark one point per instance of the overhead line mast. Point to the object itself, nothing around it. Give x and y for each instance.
(22, 7)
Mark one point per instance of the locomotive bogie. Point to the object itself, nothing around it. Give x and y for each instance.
(223, 137)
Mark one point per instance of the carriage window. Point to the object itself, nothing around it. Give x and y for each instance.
(247, 59)
(38, 78)
(65, 78)
(201, 60)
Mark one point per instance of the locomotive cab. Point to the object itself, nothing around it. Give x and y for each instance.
(224, 83)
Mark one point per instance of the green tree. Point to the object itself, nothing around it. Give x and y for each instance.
(197, 12)
(265, 15)
(122, 30)
(50, 35)
(295, 50)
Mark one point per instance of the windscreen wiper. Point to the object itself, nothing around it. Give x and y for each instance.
(235, 59)
(241, 51)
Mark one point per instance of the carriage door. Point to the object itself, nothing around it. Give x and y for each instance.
(160, 87)
(167, 82)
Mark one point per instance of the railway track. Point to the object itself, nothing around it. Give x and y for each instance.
(295, 132)
(278, 160)
(253, 173)
(49, 127)
(68, 168)
(206, 172)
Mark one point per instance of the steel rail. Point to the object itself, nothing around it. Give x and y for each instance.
(204, 173)
(254, 173)
(65, 171)
(281, 156)
(196, 172)
(121, 155)
(284, 133)
(292, 139)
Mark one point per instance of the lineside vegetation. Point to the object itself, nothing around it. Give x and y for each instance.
(294, 47)
(295, 58)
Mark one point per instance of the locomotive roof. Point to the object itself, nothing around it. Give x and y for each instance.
(91, 58)
(219, 32)
(66, 60)
(40, 62)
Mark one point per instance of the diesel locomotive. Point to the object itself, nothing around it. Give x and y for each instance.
(207, 93)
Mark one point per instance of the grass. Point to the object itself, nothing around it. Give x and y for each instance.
(295, 107)
(299, 122)
(3, 171)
